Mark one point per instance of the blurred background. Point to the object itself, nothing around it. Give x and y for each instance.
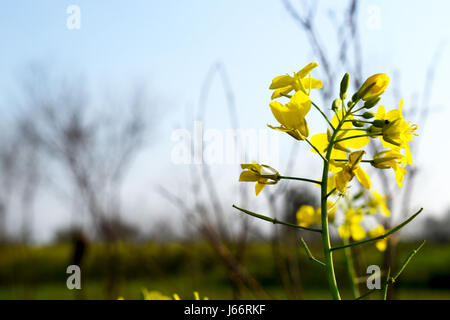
(124, 123)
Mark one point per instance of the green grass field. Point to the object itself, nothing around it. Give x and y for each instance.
(39, 272)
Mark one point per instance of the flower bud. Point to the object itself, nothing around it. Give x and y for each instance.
(379, 83)
(337, 104)
(357, 123)
(368, 115)
(372, 102)
(344, 86)
(380, 123)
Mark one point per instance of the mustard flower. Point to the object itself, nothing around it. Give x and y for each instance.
(351, 228)
(259, 173)
(377, 202)
(396, 133)
(284, 84)
(154, 295)
(308, 216)
(196, 296)
(340, 149)
(391, 159)
(376, 232)
(380, 81)
(291, 116)
(347, 170)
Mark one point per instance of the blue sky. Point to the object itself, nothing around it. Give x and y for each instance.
(171, 45)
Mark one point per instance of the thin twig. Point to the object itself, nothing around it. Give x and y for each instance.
(275, 221)
(387, 234)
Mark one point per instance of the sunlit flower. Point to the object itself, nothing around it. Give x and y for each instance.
(351, 228)
(391, 159)
(196, 296)
(396, 132)
(340, 149)
(291, 115)
(347, 170)
(376, 232)
(259, 173)
(380, 81)
(308, 216)
(154, 295)
(284, 84)
(377, 202)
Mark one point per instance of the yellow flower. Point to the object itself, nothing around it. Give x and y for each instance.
(196, 296)
(285, 83)
(340, 149)
(376, 232)
(331, 211)
(391, 159)
(259, 173)
(154, 295)
(348, 170)
(377, 202)
(291, 116)
(396, 132)
(308, 216)
(380, 80)
(352, 225)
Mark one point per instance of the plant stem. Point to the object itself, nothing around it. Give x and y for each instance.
(323, 114)
(317, 150)
(324, 216)
(301, 179)
(387, 234)
(274, 221)
(351, 271)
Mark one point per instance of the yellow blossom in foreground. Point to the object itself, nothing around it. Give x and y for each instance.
(391, 159)
(396, 132)
(380, 81)
(291, 115)
(284, 84)
(196, 296)
(348, 170)
(376, 232)
(154, 295)
(377, 202)
(259, 173)
(351, 228)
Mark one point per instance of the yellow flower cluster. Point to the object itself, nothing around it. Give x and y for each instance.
(354, 215)
(308, 216)
(156, 295)
(341, 149)
(348, 132)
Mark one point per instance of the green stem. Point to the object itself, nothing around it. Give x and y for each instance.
(323, 114)
(324, 216)
(345, 160)
(300, 179)
(275, 221)
(387, 234)
(317, 150)
(407, 260)
(386, 284)
(351, 271)
(309, 254)
(354, 137)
